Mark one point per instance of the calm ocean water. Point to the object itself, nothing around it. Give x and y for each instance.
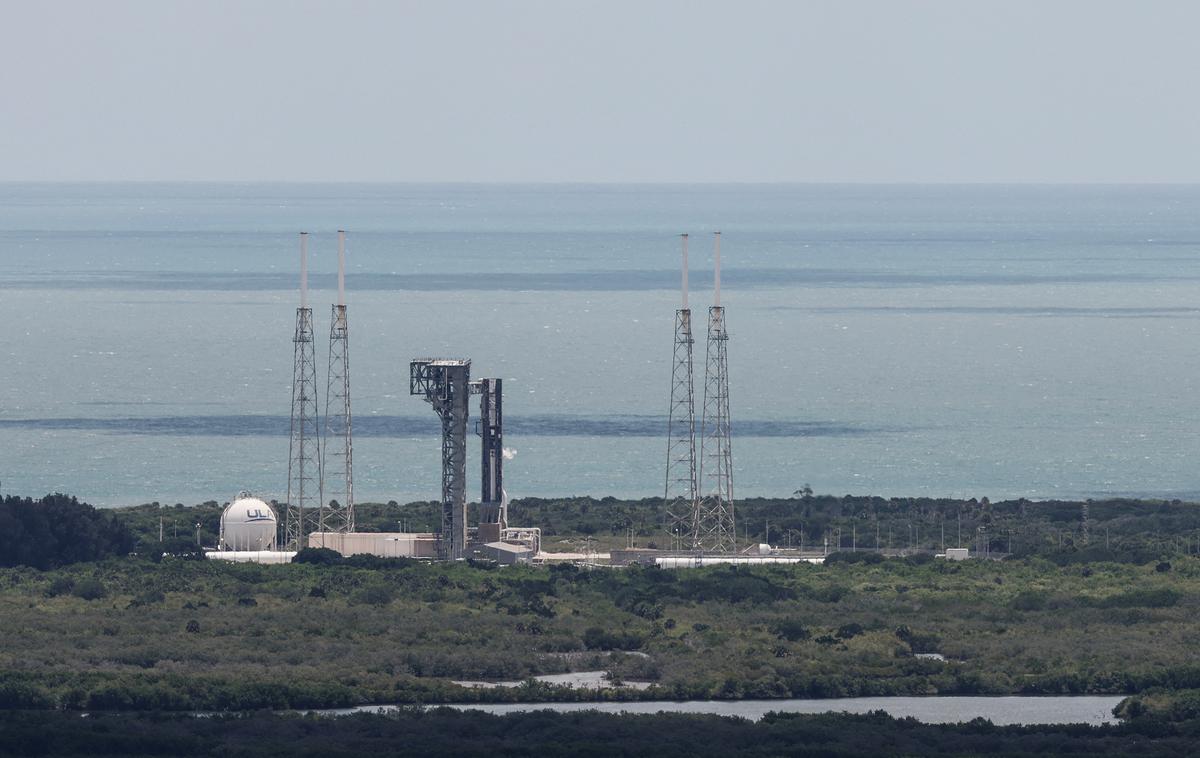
(893, 340)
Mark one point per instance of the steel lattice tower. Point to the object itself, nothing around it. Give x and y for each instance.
(680, 491)
(445, 384)
(337, 466)
(715, 527)
(304, 450)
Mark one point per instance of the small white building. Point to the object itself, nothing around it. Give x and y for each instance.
(507, 554)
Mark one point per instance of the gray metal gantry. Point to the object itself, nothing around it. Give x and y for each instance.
(445, 384)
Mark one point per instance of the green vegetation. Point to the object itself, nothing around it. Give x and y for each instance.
(1161, 705)
(447, 732)
(57, 530)
(131, 634)
(142, 631)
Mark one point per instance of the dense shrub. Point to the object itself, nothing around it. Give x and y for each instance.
(1030, 600)
(89, 589)
(791, 630)
(918, 642)
(372, 594)
(57, 530)
(830, 593)
(149, 597)
(318, 556)
(378, 563)
(62, 585)
(596, 638)
(1139, 598)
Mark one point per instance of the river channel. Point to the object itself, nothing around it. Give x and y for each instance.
(1003, 710)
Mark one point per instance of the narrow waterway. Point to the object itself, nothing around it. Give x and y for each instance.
(1003, 710)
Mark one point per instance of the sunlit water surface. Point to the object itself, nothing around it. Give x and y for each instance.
(942, 341)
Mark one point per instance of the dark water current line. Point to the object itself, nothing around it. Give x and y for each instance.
(547, 425)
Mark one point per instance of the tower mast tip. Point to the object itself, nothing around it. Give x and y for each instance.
(685, 270)
(341, 267)
(303, 269)
(717, 269)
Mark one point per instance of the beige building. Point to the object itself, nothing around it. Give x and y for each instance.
(382, 544)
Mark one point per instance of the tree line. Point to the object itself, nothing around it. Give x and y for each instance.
(449, 732)
(57, 530)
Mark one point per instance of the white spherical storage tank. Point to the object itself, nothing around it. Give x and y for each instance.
(248, 524)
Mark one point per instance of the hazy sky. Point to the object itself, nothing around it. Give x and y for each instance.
(573, 90)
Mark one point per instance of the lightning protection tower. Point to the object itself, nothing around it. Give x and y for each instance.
(304, 450)
(715, 527)
(445, 384)
(680, 492)
(337, 463)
